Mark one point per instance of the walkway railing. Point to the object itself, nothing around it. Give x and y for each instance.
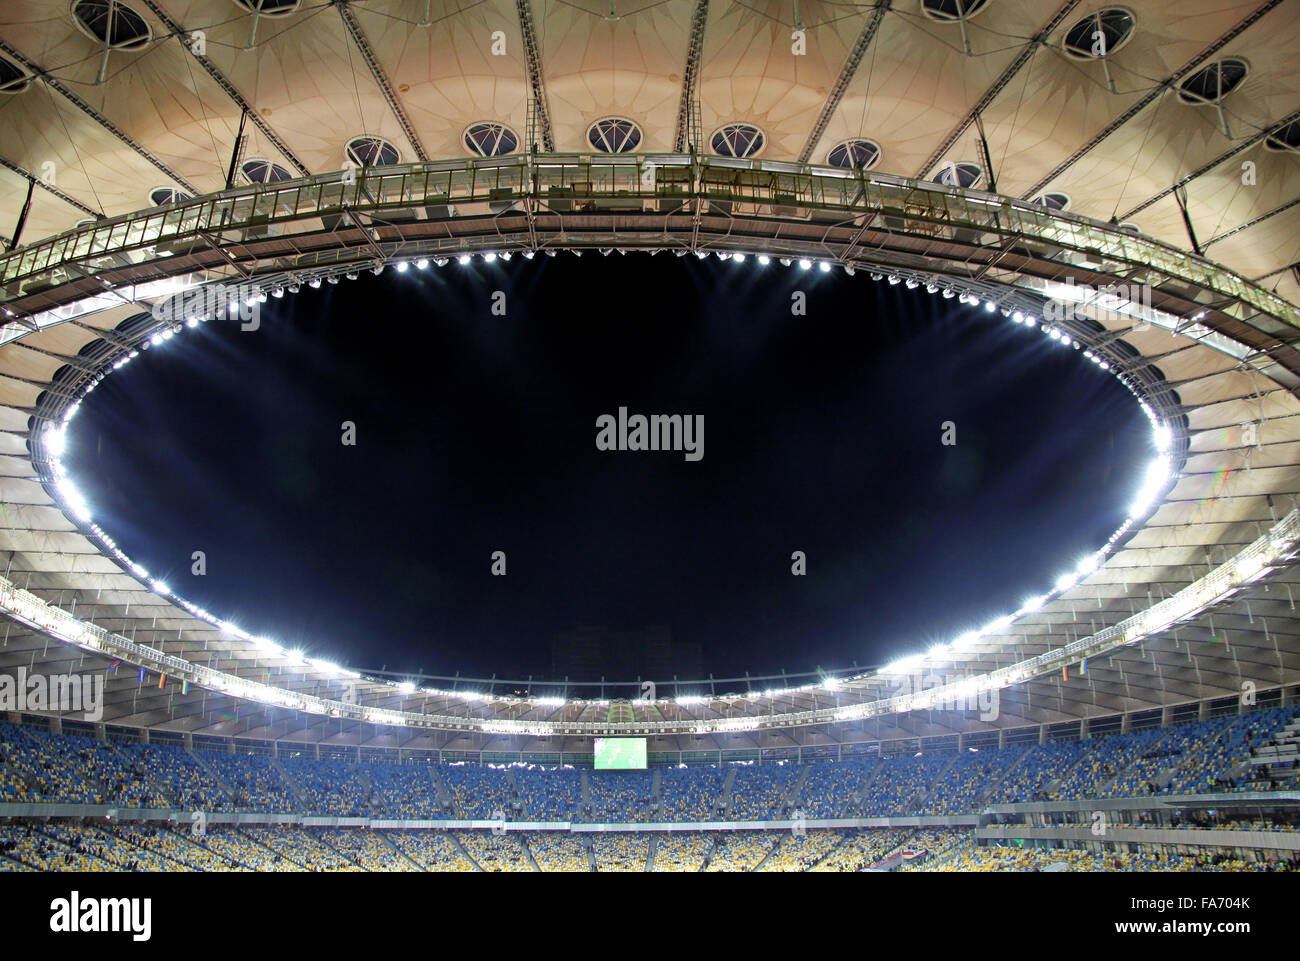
(650, 184)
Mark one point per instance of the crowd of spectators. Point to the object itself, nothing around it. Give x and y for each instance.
(620, 852)
(496, 852)
(255, 781)
(431, 850)
(37, 766)
(799, 852)
(759, 791)
(1027, 858)
(331, 787)
(549, 795)
(861, 849)
(558, 851)
(740, 850)
(682, 852)
(689, 794)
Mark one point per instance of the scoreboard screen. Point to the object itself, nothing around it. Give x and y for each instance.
(620, 753)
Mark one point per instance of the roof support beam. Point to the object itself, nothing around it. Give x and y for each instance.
(536, 82)
(691, 75)
(1025, 55)
(57, 85)
(1212, 164)
(380, 76)
(1169, 82)
(847, 72)
(22, 216)
(177, 31)
(1180, 195)
(1251, 223)
(66, 198)
(1292, 269)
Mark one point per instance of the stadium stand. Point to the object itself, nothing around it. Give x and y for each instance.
(1042, 766)
(256, 782)
(49, 768)
(861, 849)
(898, 784)
(1213, 755)
(830, 788)
(682, 852)
(549, 795)
(302, 849)
(110, 844)
(367, 850)
(432, 850)
(184, 779)
(477, 792)
(799, 852)
(740, 850)
(237, 850)
(619, 796)
(495, 852)
(330, 787)
(925, 849)
(620, 852)
(555, 851)
(968, 780)
(1038, 859)
(758, 793)
(1210, 755)
(41, 850)
(402, 790)
(174, 847)
(689, 794)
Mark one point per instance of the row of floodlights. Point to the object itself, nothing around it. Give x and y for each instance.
(1157, 476)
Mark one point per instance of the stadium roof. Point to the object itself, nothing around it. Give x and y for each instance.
(1188, 119)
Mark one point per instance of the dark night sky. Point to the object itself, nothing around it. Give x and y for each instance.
(477, 432)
